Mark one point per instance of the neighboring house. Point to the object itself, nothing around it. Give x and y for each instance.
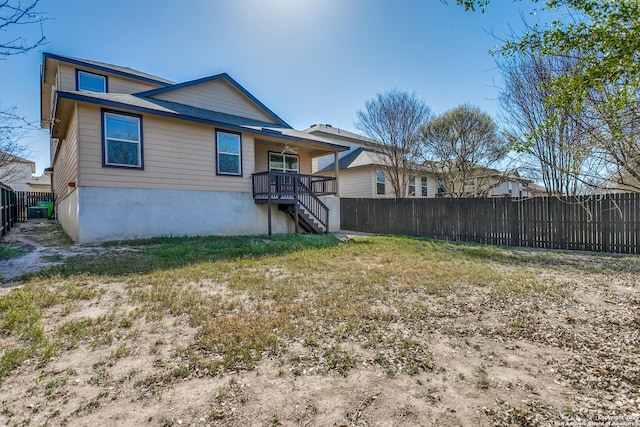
(135, 155)
(495, 183)
(16, 172)
(362, 167)
(40, 184)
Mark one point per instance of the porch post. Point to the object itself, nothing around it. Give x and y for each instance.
(337, 168)
(269, 201)
(295, 200)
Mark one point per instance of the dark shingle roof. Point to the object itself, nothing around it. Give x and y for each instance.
(358, 157)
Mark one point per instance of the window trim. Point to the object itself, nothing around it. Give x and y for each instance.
(103, 115)
(106, 81)
(424, 186)
(414, 178)
(269, 153)
(383, 183)
(239, 135)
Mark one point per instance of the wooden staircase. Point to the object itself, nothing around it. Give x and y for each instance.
(297, 195)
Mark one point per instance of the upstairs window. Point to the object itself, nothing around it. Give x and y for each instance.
(90, 82)
(122, 140)
(423, 186)
(412, 186)
(228, 153)
(380, 183)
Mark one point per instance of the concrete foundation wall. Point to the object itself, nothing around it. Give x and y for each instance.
(125, 213)
(67, 214)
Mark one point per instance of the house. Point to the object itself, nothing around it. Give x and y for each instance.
(362, 173)
(40, 184)
(362, 167)
(136, 155)
(16, 172)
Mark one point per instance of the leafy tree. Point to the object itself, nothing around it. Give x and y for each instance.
(462, 146)
(604, 38)
(394, 118)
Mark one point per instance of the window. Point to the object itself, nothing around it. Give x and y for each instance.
(380, 181)
(90, 82)
(122, 140)
(287, 163)
(440, 187)
(510, 186)
(423, 185)
(228, 153)
(412, 186)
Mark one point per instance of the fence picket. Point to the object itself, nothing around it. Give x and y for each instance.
(603, 223)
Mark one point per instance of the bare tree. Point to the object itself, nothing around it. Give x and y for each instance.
(394, 119)
(462, 147)
(561, 152)
(14, 15)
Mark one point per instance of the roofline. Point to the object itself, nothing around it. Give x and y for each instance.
(82, 63)
(212, 78)
(115, 104)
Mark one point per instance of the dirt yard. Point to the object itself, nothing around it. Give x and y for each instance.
(372, 331)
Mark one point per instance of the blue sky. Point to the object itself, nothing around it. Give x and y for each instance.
(310, 61)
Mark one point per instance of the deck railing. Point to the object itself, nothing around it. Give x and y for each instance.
(280, 185)
(302, 190)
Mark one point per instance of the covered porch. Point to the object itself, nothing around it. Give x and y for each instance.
(283, 178)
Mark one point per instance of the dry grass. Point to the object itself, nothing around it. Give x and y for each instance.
(202, 308)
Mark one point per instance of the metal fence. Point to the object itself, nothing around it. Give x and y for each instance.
(601, 223)
(27, 199)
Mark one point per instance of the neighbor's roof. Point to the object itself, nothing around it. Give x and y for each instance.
(109, 68)
(359, 157)
(340, 133)
(175, 110)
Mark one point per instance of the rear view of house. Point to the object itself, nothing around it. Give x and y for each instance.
(135, 155)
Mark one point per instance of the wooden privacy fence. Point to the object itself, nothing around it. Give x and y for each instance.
(26, 199)
(8, 209)
(601, 223)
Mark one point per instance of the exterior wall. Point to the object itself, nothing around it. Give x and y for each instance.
(67, 215)
(177, 155)
(333, 203)
(118, 214)
(115, 84)
(357, 183)
(262, 157)
(65, 166)
(217, 95)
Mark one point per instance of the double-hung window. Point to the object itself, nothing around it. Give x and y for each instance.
(424, 186)
(90, 82)
(412, 186)
(380, 183)
(228, 153)
(122, 140)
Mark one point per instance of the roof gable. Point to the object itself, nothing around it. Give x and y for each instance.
(217, 93)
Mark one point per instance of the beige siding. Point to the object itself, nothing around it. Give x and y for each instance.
(65, 168)
(262, 157)
(115, 83)
(217, 95)
(177, 155)
(357, 183)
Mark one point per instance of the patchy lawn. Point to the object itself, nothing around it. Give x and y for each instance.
(310, 330)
